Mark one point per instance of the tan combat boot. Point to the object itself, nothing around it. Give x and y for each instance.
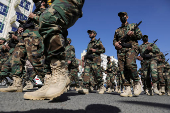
(127, 92)
(84, 91)
(109, 90)
(116, 90)
(155, 89)
(150, 92)
(137, 88)
(29, 85)
(40, 93)
(15, 87)
(59, 79)
(147, 92)
(168, 92)
(163, 90)
(101, 90)
(119, 89)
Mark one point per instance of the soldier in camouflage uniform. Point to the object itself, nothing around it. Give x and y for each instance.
(92, 64)
(127, 54)
(166, 75)
(6, 67)
(72, 63)
(160, 68)
(149, 63)
(3, 52)
(54, 22)
(30, 46)
(110, 70)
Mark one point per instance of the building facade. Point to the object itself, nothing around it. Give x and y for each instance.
(10, 12)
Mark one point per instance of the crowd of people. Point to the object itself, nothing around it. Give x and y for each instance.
(42, 40)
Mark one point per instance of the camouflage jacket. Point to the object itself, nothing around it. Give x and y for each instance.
(111, 67)
(140, 71)
(99, 50)
(161, 56)
(70, 56)
(122, 31)
(153, 53)
(64, 7)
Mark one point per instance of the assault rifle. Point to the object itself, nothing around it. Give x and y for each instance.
(126, 37)
(29, 23)
(146, 54)
(89, 53)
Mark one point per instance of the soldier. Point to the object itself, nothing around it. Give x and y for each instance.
(30, 46)
(92, 64)
(149, 63)
(127, 52)
(72, 64)
(166, 74)
(3, 52)
(160, 68)
(54, 22)
(110, 70)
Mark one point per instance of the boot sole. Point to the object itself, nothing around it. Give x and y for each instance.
(33, 98)
(127, 96)
(13, 91)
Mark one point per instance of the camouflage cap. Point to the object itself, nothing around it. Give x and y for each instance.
(89, 31)
(3, 39)
(145, 36)
(122, 13)
(68, 39)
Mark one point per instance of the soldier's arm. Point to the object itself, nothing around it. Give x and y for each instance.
(115, 38)
(137, 33)
(155, 49)
(101, 48)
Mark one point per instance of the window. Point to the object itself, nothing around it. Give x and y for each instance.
(1, 27)
(3, 9)
(25, 4)
(21, 16)
(14, 29)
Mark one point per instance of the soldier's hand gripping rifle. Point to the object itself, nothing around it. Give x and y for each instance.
(146, 54)
(30, 23)
(126, 37)
(89, 53)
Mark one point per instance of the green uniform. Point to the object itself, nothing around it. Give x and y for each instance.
(149, 63)
(92, 69)
(127, 55)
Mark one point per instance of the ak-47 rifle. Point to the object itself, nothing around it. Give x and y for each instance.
(29, 23)
(126, 37)
(146, 54)
(89, 53)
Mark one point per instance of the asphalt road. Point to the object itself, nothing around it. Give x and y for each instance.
(72, 102)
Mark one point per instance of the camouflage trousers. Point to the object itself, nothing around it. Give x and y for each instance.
(160, 70)
(149, 68)
(32, 49)
(53, 29)
(127, 65)
(73, 75)
(167, 80)
(110, 79)
(3, 60)
(92, 75)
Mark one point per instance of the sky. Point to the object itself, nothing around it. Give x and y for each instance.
(102, 16)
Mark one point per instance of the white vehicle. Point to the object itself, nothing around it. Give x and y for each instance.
(37, 81)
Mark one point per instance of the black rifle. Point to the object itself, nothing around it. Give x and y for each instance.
(30, 23)
(146, 54)
(126, 37)
(166, 54)
(89, 53)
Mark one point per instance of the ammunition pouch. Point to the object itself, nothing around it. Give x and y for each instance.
(126, 45)
(147, 56)
(89, 56)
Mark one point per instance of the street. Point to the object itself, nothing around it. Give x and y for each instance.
(72, 102)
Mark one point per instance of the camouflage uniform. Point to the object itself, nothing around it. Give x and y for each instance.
(6, 68)
(149, 65)
(111, 70)
(73, 67)
(54, 23)
(160, 68)
(30, 46)
(92, 66)
(167, 76)
(127, 56)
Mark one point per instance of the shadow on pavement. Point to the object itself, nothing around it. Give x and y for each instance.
(159, 105)
(93, 108)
